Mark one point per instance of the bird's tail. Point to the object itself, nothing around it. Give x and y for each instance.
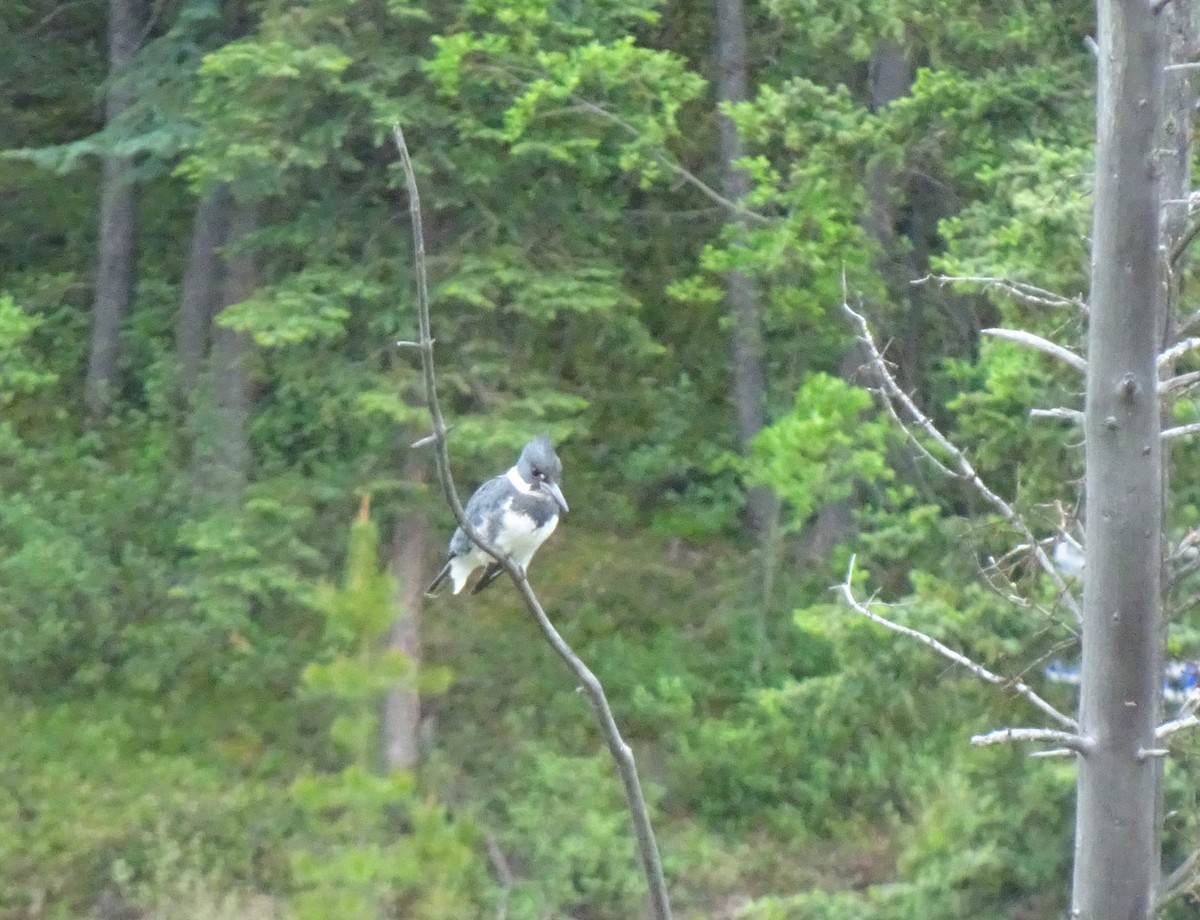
(432, 590)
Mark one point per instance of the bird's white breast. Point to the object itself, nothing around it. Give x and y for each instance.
(519, 537)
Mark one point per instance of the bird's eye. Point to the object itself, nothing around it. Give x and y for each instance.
(538, 474)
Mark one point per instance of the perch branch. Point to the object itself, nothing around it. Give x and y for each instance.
(1018, 686)
(893, 392)
(621, 753)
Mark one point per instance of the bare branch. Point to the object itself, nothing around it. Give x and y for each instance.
(1178, 350)
(1068, 740)
(1179, 882)
(504, 872)
(892, 391)
(1018, 686)
(1029, 293)
(1180, 431)
(687, 176)
(1167, 729)
(1054, 752)
(621, 753)
(1186, 239)
(1036, 342)
(1179, 384)
(1066, 415)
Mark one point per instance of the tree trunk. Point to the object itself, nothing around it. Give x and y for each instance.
(202, 286)
(742, 295)
(401, 725)
(229, 442)
(1117, 826)
(117, 245)
(402, 703)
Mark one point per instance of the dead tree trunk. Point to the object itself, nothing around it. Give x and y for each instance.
(743, 298)
(117, 245)
(1117, 828)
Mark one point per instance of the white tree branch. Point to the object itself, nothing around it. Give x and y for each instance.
(1029, 293)
(1178, 350)
(1037, 343)
(1180, 431)
(1068, 740)
(892, 391)
(1018, 686)
(1066, 415)
(1167, 729)
(1179, 384)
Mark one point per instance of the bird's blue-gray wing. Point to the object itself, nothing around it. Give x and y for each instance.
(486, 499)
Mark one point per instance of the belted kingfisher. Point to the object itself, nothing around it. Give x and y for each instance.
(515, 513)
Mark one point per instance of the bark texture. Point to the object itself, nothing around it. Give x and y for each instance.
(1117, 825)
(117, 245)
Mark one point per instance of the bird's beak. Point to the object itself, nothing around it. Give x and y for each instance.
(556, 492)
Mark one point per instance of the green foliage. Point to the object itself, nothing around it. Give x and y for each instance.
(376, 845)
(92, 801)
(567, 817)
(192, 688)
(819, 452)
(380, 850)
(19, 374)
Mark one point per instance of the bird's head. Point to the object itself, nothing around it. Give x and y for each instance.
(540, 467)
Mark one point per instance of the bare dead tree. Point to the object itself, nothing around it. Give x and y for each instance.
(621, 753)
(1140, 232)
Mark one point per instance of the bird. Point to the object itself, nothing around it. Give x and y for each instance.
(514, 512)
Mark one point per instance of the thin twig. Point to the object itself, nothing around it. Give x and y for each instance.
(504, 872)
(621, 753)
(1018, 686)
(1068, 740)
(686, 175)
(1036, 342)
(893, 391)
(1029, 293)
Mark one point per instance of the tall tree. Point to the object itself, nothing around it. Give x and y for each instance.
(1117, 831)
(743, 297)
(202, 279)
(227, 464)
(117, 246)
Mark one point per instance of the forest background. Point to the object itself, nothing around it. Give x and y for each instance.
(223, 695)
